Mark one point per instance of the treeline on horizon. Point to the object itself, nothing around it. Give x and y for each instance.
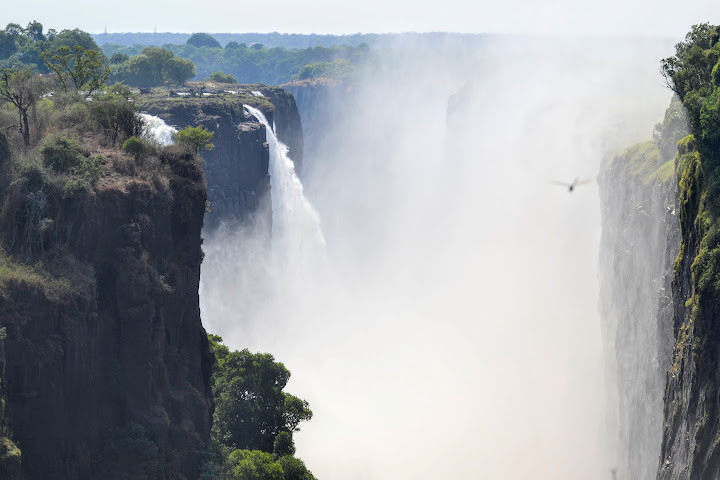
(245, 63)
(291, 40)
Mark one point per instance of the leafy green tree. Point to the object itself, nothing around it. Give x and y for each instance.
(14, 30)
(134, 146)
(34, 30)
(221, 77)
(253, 465)
(155, 66)
(140, 72)
(294, 469)
(202, 40)
(62, 154)
(692, 74)
(115, 113)
(85, 69)
(7, 45)
(178, 71)
(283, 445)
(118, 58)
(198, 138)
(70, 38)
(251, 408)
(22, 88)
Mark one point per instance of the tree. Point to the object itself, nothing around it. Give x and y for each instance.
(70, 38)
(253, 465)
(34, 30)
(202, 40)
(693, 74)
(178, 70)
(294, 469)
(22, 88)
(118, 58)
(85, 68)
(283, 445)
(250, 405)
(198, 138)
(115, 113)
(7, 45)
(155, 66)
(221, 77)
(14, 30)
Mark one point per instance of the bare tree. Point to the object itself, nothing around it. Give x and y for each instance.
(22, 88)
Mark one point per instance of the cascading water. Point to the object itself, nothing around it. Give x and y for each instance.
(296, 234)
(157, 129)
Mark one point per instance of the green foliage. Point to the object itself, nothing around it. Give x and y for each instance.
(73, 38)
(253, 465)
(691, 73)
(62, 154)
(81, 69)
(7, 45)
(283, 445)
(13, 272)
(673, 127)
(202, 40)
(198, 138)
(22, 88)
(339, 68)
(153, 67)
(271, 66)
(221, 77)
(115, 113)
(294, 468)
(178, 70)
(251, 408)
(117, 58)
(134, 146)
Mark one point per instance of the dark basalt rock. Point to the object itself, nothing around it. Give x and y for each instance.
(121, 343)
(237, 168)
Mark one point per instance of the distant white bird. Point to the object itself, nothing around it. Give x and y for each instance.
(575, 183)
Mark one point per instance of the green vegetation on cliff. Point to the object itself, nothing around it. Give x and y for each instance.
(691, 414)
(254, 419)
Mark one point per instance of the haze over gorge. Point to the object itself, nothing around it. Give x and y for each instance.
(186, 218)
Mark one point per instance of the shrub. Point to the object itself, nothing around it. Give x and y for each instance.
(115, 114)
(198, 138)
(134, 146)
(221, 77)
(62, 154)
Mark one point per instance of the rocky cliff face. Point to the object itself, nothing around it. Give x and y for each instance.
(317, 102)
(640, 237)
(237, 168)
(691, 430)
(106, 366)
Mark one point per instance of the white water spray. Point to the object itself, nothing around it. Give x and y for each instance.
(156, 129)
(296, 234)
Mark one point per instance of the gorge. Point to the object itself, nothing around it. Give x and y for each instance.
(395, 237)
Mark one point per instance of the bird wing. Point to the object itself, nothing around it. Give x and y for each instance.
(557, 182)
(584, 182)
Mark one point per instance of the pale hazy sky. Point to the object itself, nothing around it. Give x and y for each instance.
(555, 17)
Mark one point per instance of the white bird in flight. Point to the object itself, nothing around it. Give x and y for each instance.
(575, 183)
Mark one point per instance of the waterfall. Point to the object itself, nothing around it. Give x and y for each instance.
(156, 129)
(297, 238)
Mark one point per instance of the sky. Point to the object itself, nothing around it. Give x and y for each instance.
(667, 18)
